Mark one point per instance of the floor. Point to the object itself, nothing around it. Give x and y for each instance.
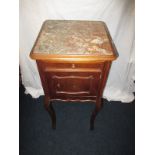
(113, 134)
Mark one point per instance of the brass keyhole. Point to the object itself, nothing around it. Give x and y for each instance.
(58, 85)
(73, 65)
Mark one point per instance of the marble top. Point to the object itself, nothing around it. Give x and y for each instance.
(74, 38)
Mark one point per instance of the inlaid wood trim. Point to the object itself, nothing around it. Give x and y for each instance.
(73, 100)
(72, 77)
(72, 93)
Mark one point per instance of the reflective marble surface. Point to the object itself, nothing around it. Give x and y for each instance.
(74, 38)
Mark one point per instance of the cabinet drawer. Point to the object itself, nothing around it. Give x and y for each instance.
(73, 83)
(49, 65)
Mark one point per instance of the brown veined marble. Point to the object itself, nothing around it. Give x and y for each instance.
(68, 37)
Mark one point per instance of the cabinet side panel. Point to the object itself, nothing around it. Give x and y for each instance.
(40, 66)
(105, 73)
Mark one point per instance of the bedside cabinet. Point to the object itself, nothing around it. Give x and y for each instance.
(73, 59)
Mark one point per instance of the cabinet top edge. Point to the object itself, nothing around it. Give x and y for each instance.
(72, 58)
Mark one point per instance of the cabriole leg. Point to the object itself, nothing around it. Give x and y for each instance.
(48, 106)
(98, 107)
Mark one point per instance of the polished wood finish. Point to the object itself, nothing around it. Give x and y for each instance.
(68, 77)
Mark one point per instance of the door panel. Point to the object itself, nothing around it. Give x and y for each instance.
(73, 83)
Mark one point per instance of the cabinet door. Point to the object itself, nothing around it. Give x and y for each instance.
(73, 83)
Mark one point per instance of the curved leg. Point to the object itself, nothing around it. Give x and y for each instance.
(98, 106)
(102, 102)
(51, 111)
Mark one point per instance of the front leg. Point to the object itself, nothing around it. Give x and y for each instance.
(98, 106)
(48, 106)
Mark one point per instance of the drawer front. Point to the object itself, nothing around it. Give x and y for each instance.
(50, 65)
(62, 84)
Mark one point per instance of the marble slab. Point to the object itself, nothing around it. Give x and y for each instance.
(73, 38)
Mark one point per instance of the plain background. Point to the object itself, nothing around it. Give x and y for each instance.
(145, 75)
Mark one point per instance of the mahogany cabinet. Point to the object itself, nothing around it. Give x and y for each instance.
(73, 59)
